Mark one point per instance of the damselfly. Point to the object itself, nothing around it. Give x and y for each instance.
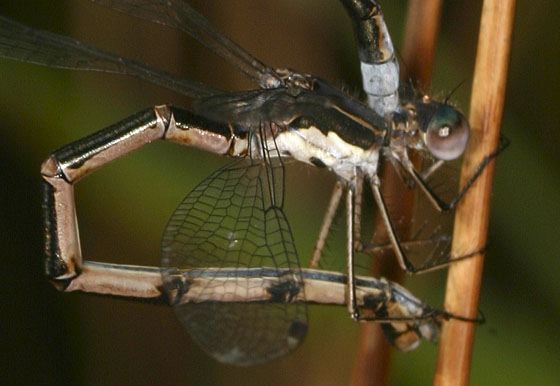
(229, 261)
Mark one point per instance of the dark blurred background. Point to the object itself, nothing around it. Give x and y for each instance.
(52, 338)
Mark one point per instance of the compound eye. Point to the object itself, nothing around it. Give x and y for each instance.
(447, 134)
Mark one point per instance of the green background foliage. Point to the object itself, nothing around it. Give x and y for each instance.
(52, 338)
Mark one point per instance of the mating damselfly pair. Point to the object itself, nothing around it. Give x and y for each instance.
(229, 264)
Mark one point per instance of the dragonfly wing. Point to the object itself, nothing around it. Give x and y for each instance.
(20, 42)
(234, 220)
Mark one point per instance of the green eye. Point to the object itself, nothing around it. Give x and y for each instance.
(447, 133)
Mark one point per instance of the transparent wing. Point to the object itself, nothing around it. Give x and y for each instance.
(245, 107)
(20, 42)
(428, 223)
(178, 14)
(234, 219)
(426, 237)
(249, 108)
(424, 233)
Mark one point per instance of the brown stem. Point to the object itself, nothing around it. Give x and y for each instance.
(471, 220)
(373, 358)
(419, 46)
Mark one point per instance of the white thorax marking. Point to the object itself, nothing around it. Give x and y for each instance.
(339, 156)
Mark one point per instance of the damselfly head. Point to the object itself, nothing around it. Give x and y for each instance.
(444, 130)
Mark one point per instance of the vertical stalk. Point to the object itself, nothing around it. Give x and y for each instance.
(373, 359)
(471, 219)
(419, 45)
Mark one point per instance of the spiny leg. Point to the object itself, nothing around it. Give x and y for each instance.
(351, 301)
(72, 162)
(353, 243)
(330, 214)
(358, 198)
(391, 232)
(432, 169)
(396, 244)
(404, 165)
(436, 201)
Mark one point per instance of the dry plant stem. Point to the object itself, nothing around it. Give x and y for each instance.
(471, 221)
(420, 41)
(373, 359)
